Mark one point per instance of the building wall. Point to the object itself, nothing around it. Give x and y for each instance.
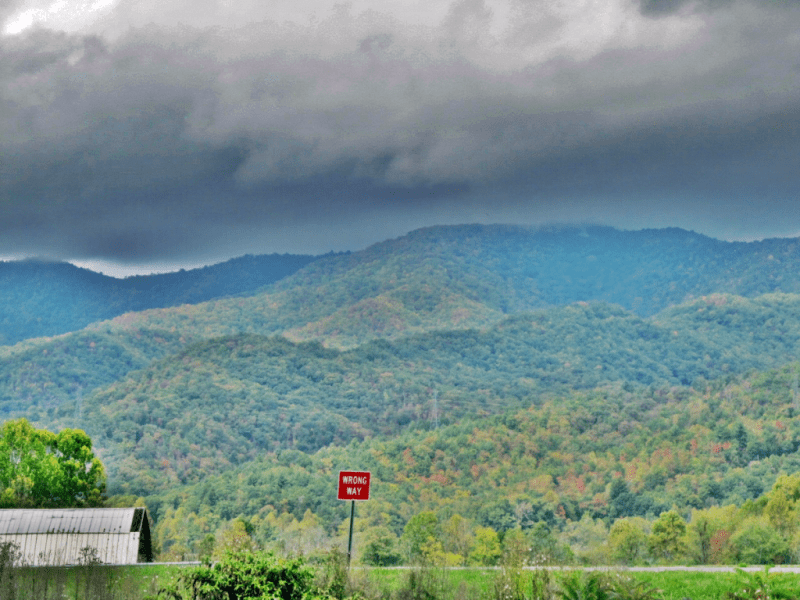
(65, 548)
(61, 536)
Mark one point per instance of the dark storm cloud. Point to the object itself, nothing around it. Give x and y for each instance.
(156, 140)
(658, 8)
(666, 7)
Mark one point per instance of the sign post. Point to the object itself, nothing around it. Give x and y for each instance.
(353, 485)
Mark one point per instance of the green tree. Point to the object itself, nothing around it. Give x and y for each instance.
(620, 500)
(756, 542)
(499, 515)
(41, 469)
(419, 532)
(709, 534)
(205, 548)
(544, 547)
(668, 539)
(457, 537)
(587, 539)
(627, 540)
(248, 576)
(81, 475)
(486, 551)
(380, 547)
(781, 513)
(235, 539)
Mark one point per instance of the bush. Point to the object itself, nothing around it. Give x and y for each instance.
(248, 576)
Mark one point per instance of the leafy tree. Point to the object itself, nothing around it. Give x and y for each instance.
(789, 485)
(516, 551)
(205, 548)
(41, 469)
(486, 551)
(380, 548)
(420, 530)
(248, 576)
(499, 515)
(756, 542)
(235, 539)
(587, 539)
(457, 537)
(709, 534)
(781, 513)
(544, 547)
(627, 540)
(668, 538)
(621, 501)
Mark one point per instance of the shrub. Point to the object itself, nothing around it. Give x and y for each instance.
(250, 576)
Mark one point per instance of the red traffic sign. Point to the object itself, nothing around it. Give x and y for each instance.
(354, 485)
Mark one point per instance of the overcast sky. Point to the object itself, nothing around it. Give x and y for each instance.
(163, 133)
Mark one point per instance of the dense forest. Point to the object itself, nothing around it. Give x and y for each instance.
(223, 401)
(575, 464)
(548, 382)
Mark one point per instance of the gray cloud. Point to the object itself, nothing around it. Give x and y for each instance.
(659, 8)
(667, 7)
(151, 141)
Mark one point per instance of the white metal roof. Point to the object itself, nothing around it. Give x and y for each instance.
(66, 520)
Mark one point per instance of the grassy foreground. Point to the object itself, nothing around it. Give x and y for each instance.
(489, 584)
(157, 582)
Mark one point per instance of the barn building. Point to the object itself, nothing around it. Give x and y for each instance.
(70, 536)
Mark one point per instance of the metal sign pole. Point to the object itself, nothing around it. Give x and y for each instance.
(353, 485)
(350, 539)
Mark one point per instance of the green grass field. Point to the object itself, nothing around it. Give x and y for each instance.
(143, 582)
(481, 584)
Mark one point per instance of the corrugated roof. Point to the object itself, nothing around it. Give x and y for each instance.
(59, 536)
(66, 520)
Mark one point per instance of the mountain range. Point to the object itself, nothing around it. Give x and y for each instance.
(186, 376)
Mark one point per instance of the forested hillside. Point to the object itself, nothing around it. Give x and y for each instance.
(224, 401)
(39, 298)
(41, 378)
(575, 462)
(576, 373)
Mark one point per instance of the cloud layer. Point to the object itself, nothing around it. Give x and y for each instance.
(141, 130)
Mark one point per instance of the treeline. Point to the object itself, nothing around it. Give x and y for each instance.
(39, 379)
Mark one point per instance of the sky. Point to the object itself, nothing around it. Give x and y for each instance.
(150, 135)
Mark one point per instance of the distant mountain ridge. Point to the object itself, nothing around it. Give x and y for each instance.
(436, 277)
(460, 277)
(43, 298)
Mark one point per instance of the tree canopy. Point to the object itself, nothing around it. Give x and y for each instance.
(41, 469)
